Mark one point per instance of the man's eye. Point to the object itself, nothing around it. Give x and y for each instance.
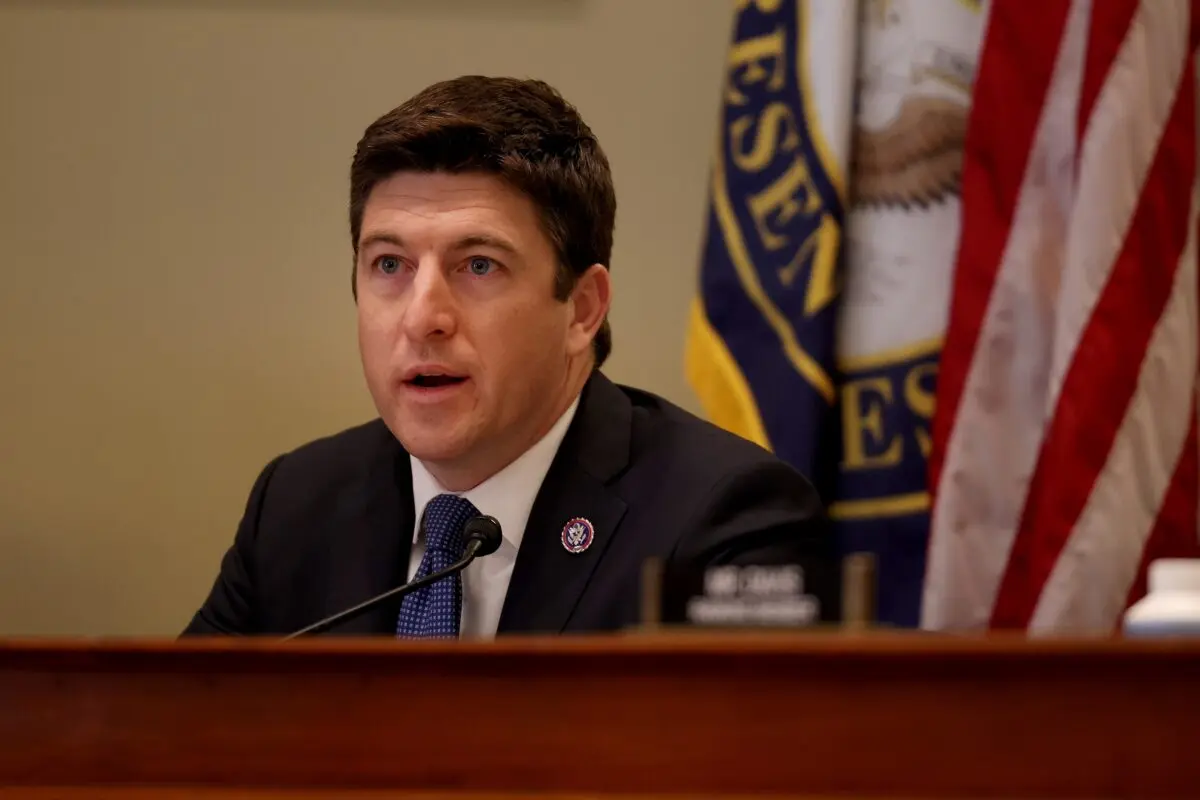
(388, 265)
(480, 265)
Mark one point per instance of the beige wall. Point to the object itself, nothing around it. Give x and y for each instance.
(175, 305)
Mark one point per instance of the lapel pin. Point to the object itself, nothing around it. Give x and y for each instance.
(577, 535)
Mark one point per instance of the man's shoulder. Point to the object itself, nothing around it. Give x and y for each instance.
(707, 493)
(338, 457)
(663, 430)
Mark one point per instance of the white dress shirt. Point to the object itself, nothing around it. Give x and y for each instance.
(508, 496)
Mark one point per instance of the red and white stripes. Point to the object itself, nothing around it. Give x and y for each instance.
(1064, 452)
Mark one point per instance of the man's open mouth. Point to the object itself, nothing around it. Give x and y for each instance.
(435, 381)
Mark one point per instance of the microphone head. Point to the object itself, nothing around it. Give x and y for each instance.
(484, 532)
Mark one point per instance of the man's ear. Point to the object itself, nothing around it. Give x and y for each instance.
(590, 301)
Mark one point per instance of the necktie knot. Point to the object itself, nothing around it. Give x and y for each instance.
(445, 517)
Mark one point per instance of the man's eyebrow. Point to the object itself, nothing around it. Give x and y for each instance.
(484, 240)
(379, 237)
(465, 243)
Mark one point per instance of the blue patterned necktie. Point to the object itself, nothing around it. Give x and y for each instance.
(434, 610)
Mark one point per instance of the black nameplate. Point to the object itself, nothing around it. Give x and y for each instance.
(751, 595)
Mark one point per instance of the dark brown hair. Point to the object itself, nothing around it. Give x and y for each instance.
(525, 133)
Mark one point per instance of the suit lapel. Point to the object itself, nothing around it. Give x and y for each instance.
(548, 580)
(370, 554)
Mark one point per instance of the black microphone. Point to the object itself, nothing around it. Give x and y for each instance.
(483, 538)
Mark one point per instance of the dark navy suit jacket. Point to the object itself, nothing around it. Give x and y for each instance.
(329, 525)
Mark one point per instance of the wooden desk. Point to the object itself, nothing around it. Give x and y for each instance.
(804, 715)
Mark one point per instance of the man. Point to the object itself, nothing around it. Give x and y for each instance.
(481, 216)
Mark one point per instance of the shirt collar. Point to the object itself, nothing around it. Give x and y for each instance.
(509, 494)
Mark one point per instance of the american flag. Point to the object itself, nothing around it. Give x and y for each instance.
(1064, 451)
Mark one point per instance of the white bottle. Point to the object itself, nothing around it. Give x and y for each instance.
(1171, 607)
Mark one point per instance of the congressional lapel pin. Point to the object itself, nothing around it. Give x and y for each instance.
(577, 535)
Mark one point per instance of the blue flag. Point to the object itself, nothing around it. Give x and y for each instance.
(761, 345)
(827, 258)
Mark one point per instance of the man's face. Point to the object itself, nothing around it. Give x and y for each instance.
(467, 354)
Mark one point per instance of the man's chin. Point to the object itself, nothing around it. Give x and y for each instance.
(430, 446)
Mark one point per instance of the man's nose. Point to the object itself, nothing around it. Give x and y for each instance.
(432, 310)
